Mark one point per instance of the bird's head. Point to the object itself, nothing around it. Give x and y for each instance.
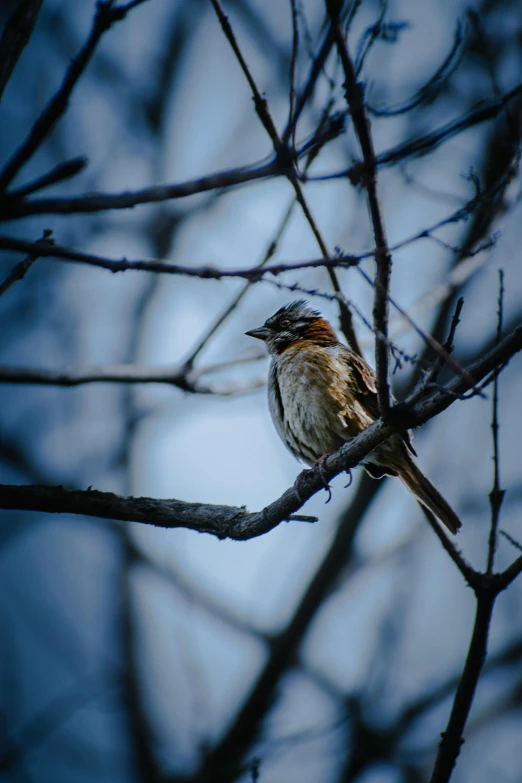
(293, 322)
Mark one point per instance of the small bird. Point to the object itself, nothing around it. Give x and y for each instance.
(321, 394)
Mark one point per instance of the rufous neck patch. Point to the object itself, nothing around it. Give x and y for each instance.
(321, 332)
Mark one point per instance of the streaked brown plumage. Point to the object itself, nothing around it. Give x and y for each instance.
(321, 394)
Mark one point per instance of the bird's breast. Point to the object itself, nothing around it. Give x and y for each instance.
(315, 411)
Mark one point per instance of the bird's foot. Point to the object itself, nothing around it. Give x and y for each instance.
(319, 464)
(298, 484)
(348, 472)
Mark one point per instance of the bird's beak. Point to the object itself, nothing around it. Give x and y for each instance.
(261, 333)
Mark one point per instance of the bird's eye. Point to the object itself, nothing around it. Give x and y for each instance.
(284, 323)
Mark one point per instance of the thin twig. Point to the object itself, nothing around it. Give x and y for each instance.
(268, 254)
(293, 67)
(157, 266)
(12, 207)
(355, 99)
(317, 66)
(431, 89)
(59, 173)
(487, 587)
(370, 37)
(428, 339)
(471, 576)
(503, 580)
(496, 496)
(511, 540)
(260, 102)
(128, 374)
(287, 163)
(449, 344)
(15, 37)
(21, 269)
(420, 145)
(105, 16)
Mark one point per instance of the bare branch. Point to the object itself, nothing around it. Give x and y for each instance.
(106, 15)
(439, 349)
(126, 374)
(420, 145)
(260, 103)
(317, 66)
(237, 523)
(161, 267)
(15, 37)
(503, 580)
(293, 66)
(221, 521)
(471, 576)
(61, 172)
(286, 158)
(355, 99)
(21, 269)
(496, 496)
(452, 739)
(448, 345)
(268, 254)
(12, 207)
(433, 87)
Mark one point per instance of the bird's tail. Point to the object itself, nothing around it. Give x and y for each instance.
(420, 486)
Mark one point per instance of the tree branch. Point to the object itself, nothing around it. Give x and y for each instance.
(179, 377)
(16, 35)
(12, 207)
(496, 496)
(207, 272)
(286, 158)
(237, 523)
(106, 15)
(355, 99)
(452, 740)
(22, 268)
(421, 145)
(221, 521)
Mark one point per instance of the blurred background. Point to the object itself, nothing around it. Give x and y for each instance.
(317, 653)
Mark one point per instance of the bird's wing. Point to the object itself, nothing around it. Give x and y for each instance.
(364, 380)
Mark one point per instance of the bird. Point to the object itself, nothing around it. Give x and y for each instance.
(322, 394)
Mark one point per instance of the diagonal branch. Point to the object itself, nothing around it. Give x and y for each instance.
(451, 741)
(286, 158)
(238, 523)
(12, 207)
(421, 145)
(22, 268)
(15, 37)
(106, 15)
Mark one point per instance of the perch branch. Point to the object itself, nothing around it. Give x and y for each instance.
(237, 523)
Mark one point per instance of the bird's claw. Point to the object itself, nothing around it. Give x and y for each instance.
(298, 484)
(319, 464)
(348, 471)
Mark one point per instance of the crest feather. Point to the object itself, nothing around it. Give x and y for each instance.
(297, 309)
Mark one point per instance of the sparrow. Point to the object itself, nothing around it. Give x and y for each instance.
(321, 394)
